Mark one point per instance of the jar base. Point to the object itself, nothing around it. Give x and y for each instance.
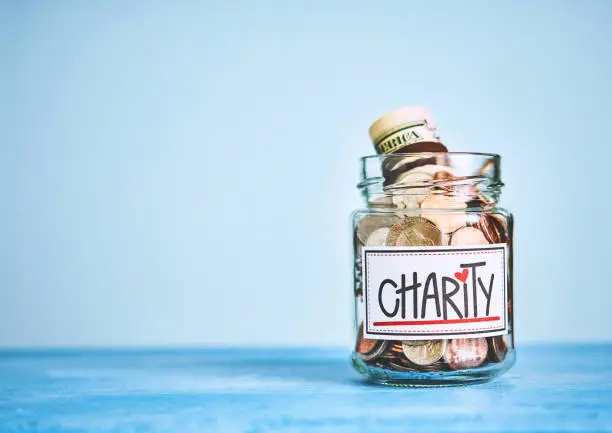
(431, 379)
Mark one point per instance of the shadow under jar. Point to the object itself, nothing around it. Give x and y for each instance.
(432, 270)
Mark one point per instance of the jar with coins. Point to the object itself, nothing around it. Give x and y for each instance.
(433, 287)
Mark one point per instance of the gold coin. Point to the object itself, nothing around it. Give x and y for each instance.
(424, 352)
(468, 236)
(414, 231)
(370, 223)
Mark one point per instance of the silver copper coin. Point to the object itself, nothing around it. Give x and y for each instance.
(370, 223)
(413, 186)
(423, 352)
(493, 228)
(391, 352)
(463, 353)
(468, 236)
(449, 215)
(458, 188)
(498, 348)
(378, 237)
(367, 348)
(414, 231)
(394, 359)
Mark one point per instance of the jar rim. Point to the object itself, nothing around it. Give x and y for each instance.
(416, 173)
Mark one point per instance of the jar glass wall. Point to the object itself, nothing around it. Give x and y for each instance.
(433, 284)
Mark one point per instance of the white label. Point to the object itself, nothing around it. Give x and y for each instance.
(422, 293)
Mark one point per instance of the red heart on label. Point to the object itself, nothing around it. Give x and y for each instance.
(462, 276)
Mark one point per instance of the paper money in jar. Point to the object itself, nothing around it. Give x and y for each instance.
(406, 130)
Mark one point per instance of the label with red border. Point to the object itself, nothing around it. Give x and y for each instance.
(424, 293)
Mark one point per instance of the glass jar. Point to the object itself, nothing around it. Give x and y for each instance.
(433, 270)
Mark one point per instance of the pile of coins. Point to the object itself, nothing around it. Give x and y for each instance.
(426, 203)
(456, 229)
(431, 355)
(444, 228)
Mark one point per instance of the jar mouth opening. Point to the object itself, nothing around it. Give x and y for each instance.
(456, 174)
(392, 156)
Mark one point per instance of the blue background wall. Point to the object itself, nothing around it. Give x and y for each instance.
(182, 172)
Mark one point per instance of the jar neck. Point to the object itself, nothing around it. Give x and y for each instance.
(431, 180)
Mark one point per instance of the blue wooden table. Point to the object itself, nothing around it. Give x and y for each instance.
(552, 388)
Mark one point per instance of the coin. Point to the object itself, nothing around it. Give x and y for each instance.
(413, 171)
(368, 348)
(414, 187)
(372, 222)
(393, 358)
(365, 345)
(378, 237)
(395, 349)
(414, 231)
(459, 189)
(411, 186)
(493, 228)
(462, 353)
(468, 236)
(447, 221)
(498, 348)
(423, 352)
